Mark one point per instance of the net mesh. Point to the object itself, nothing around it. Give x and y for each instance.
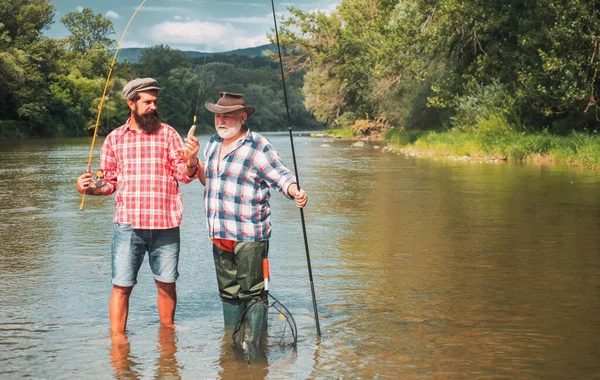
(265, 323)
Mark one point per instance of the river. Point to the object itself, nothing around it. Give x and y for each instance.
(422, 268)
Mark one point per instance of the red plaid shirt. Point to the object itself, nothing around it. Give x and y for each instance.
(145, 169)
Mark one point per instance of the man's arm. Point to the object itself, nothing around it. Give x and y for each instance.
(201, 175)
(279, 176)
(108, 182)
(86, 185)
(185, 164)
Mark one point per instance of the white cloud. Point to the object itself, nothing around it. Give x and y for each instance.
(213, 36)
(257, 20)
(127, 43)
(327, 10)
(113, 15)
(164, 9)
(177, 18)
(79, 8)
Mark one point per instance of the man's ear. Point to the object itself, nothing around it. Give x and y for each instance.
(131, 104)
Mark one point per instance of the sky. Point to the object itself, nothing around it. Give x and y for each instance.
(200, 25)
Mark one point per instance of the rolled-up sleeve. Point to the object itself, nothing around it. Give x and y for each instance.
(178, 164)
(108, 164)
(274, 172)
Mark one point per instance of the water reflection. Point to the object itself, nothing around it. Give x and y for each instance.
(422, 270)
(166, 364)
(124, 365)
(234, 364)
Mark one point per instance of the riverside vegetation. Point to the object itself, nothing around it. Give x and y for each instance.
(502, 79)
(52, 87)
(496, 79)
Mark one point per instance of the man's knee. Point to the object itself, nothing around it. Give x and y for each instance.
(122, 290)
(167, 287)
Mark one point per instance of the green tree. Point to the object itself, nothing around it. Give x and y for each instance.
(159, 60)
(27, 60)
(88, 31)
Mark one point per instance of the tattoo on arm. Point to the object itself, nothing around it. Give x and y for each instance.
(98, 188)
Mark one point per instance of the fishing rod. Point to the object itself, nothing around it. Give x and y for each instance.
(310, 276)
(199, 89)
(112, 65)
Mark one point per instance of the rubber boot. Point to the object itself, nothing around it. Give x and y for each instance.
(232, 309)
(257, 322)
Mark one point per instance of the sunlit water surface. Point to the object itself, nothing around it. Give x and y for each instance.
(422, 269)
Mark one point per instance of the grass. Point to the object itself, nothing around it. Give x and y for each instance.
(578, 148)
(342, 133)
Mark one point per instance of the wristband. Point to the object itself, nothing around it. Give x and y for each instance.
(195, 165)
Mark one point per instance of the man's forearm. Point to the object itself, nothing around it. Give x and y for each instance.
(292, 189)
(201, 176)
(192, 166)
(99, 188)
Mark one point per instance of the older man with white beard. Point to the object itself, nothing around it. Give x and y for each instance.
(240, 167)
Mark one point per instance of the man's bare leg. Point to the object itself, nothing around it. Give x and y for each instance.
(118, 308)
(167, 301)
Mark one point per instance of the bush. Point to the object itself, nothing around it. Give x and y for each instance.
(401, 138)
(368, 127)
(488, 106)
(12, 129)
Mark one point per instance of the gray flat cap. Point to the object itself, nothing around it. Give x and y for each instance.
(139, 85)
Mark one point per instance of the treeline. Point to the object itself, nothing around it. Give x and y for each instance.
(498, 65)
(53, 87)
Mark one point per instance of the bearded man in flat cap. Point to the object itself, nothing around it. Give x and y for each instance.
(144, 161)
(240, 167)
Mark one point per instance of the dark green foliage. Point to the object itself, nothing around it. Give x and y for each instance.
(88, 31)
(434, 64)
(54, 87)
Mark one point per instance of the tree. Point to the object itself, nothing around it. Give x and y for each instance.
(27, 60)
(88, 31)
(159, 60)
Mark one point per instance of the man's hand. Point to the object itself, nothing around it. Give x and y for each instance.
(299, 196)
(190, 153)
(86, 185)
(83, 182)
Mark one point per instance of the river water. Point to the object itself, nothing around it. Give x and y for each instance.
(422, 269)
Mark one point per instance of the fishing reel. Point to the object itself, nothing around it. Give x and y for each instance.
(97, 176)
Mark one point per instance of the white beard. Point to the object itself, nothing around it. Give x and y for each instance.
(229, 132)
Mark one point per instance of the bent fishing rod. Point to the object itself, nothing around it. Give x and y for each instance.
(287, 108)
(112, 65)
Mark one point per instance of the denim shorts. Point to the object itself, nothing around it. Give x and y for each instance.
(129, 247)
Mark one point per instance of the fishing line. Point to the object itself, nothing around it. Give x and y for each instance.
(310, 276)
(112, 65)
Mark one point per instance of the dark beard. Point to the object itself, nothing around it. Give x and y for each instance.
(149, 122)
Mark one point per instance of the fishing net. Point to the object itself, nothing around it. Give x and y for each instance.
(265, 322)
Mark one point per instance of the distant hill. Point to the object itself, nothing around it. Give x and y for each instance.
(134, 54)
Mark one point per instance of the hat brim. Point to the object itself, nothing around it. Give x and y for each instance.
(149, 88)
(143, 89)
(215, 108)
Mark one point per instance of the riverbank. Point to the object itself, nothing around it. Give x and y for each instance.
(576, 149)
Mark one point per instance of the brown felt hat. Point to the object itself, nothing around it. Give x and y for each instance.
(229, 102)
(139, 85)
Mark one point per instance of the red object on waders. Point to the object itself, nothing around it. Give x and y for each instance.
(266, 273)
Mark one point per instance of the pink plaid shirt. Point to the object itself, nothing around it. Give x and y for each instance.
(145, 169)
